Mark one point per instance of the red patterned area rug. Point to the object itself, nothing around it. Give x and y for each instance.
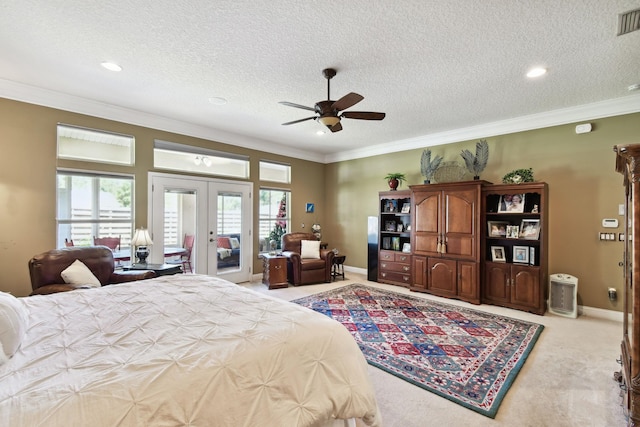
(464, 355)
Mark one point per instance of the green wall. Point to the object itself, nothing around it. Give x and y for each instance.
(583, 189)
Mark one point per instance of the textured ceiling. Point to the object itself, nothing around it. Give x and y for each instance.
(433, 67)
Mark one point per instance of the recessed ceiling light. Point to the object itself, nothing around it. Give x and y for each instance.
(111, 66)
(216, 100)
(536, 72)
(320, 132)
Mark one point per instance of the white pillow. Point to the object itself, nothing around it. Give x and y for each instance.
(310, 249)
(235, 244)
(13, 325)
(79, 274)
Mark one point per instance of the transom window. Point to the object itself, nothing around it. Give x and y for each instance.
(76, 143)
(276, 172)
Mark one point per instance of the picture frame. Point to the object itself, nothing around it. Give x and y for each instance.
(513, 231)
(497, 228)
(389, 226)
(511, 203)
(532, 255)
(395, 243)
(521, 254)
(406, 207)
(386, 243)
(497, 254)
(309, 208)
(406, 247)
(400, 227)
(530, 229)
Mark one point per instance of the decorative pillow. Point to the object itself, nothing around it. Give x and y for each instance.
(79, 275)
(223, 242)
(310, 249)
(235, 244)
(13, 325)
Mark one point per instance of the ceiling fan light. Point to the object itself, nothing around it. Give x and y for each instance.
(329, 121)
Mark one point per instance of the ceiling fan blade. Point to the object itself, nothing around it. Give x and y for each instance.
(291, 104)
(363, 115)
(336, 128)
(347, 101)
(298, 121)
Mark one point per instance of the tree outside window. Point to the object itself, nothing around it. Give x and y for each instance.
(274, 217)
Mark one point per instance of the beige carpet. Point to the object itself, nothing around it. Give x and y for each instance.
(566, 381)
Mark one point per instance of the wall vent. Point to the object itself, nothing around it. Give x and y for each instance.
(628, 22)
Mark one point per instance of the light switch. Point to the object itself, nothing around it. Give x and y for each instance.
(621, 210)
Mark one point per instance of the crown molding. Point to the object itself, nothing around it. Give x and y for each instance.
(613, 107)
(75, 104)
(52, 99)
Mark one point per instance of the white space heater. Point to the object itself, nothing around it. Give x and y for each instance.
(563, 295)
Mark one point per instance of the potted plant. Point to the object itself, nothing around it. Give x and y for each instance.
(394, 180)
(427, 166)
(476, 164)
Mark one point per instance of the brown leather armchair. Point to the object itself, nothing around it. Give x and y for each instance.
(45, 269)
(305, 271)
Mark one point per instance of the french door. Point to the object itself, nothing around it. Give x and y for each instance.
(217, 212)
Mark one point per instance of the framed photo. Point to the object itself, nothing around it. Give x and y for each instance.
(406, 247)
(386, 243)
(521, 254)
(532, 256)
(530, 229)
(406, 208)
(389, 226)
(513, 231)
(391, 206)
(395, 243)
(497, 228)
(310, 208)
(511, 203)
(497, 254)
(400, 227)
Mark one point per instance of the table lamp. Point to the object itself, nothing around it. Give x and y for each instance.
(141, 239)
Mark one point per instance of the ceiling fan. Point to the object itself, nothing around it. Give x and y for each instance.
(329, 112)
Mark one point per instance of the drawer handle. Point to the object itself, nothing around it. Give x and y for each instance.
(277, 267)
(406, 268)
(403, 258)
(406, 279)
(384, 265)
(383, 274)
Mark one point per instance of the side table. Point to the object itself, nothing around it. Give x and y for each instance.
(274, 271)
(337, 269)
(159, 269)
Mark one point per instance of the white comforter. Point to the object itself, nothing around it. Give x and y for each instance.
(181, 350)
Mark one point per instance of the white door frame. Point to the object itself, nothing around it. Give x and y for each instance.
(205, 247)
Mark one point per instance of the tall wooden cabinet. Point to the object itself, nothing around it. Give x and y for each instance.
(394, 252)
(446, 239)
(514, 251)
(628, 164)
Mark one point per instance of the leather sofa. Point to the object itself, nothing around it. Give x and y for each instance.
(305, 271)
(45, 269)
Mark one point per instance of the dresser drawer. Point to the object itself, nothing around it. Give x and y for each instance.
(395, 277)
(403, 257)
(395, 266)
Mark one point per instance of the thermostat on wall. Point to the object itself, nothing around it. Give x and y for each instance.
(610, 223)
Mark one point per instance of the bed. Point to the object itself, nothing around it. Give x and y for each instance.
(182, 350)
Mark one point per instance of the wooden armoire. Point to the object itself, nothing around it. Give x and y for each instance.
(628, 164)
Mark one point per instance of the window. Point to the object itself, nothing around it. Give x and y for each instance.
(94, 205)
(276, 172)
(76, 143)
(274, 217)
(185, 158)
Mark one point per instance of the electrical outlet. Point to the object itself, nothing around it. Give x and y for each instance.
(621, 210)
